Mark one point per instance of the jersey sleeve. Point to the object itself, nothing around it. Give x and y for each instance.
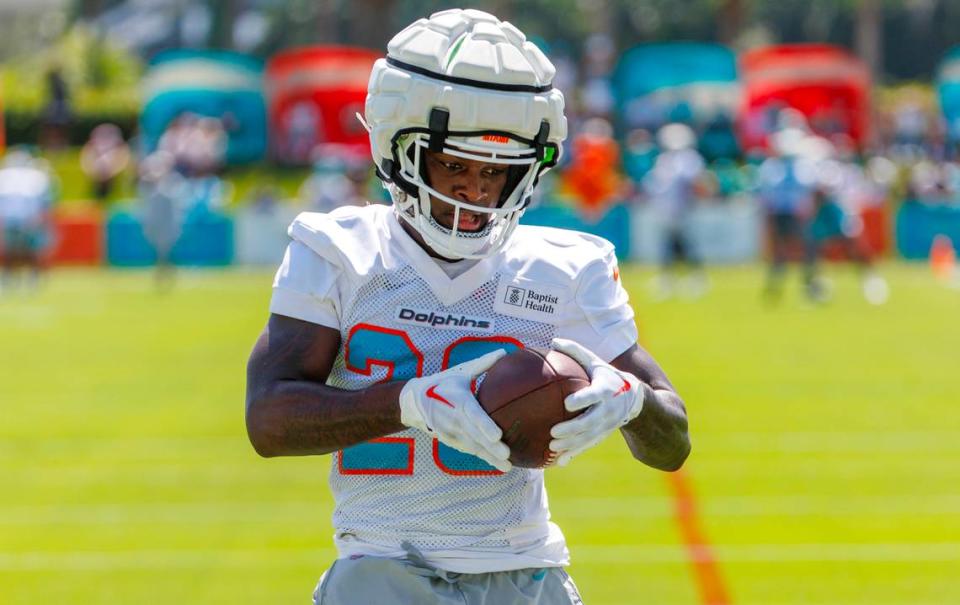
(601, 318)
(306, 287)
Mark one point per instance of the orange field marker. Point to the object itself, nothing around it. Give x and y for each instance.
(710, 583)
(943, 258)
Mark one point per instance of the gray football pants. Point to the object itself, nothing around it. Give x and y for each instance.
(381, 581)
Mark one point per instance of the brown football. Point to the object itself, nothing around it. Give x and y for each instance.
(523, 392)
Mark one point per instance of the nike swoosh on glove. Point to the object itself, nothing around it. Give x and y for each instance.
(613, 399)
(442, 405)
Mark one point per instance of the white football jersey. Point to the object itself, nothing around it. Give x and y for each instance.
(400, 315)
(24, 195)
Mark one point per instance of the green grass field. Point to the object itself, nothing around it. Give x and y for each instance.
(826, 456)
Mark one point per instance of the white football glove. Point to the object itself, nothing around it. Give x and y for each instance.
(442, 405)
(614, 398)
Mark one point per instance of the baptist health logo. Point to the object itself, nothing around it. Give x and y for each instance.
(530, 299)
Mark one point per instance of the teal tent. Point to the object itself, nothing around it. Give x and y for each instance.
(218, 84)
(689, 82)
(948, 91)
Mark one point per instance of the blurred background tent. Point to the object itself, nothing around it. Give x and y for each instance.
(948, 91)
(827, 84)
(694, 83)
(217, 84)
(313, 95)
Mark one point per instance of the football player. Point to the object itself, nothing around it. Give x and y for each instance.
(26, 222)
(381, 316)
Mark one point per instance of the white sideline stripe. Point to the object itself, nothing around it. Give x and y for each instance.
(821, 442)
(154, 559)
(750, 441)
(202, 513)
(833, 504)
(584, 555)
(827, 505)
(774, 553)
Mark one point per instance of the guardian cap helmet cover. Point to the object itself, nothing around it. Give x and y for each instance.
(466, 84)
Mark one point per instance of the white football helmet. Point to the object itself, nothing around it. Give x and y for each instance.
(469, 85)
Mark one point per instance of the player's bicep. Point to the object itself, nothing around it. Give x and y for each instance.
(292, 349)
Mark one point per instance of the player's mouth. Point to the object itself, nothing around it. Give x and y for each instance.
(468, 222)
(471, 221)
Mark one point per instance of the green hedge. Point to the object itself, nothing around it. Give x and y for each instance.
(23, 128)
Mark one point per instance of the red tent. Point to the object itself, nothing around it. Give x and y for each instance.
(313, 94)
(826, 83)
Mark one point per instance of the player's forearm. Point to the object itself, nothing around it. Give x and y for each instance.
(297, 418)
(658, 436)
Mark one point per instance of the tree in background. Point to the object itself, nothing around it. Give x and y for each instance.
(901, 39)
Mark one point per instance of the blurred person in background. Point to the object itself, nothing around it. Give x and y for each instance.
(831, 223)
(206, 157)
(339, 178)
(639, 154)
(718, 139)
(930, 183)
(911, 126)
(206, 147)
(593, 174)
(596, 98)
(831, 121)
(730, 179)
(103, 158)
(265, 199)
(197, 146)
(304, 131)
(26, 197)
(785, 183)
(161, 194)
(790, 118)
(673, 186)
(842, 188)
(176, 141)
(57, 113)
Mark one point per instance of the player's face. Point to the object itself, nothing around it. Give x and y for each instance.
(471, 181)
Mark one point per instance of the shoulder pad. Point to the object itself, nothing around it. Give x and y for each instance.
(556, 254)
(351, 237)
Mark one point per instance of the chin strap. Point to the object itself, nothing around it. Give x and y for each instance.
(540, 140)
